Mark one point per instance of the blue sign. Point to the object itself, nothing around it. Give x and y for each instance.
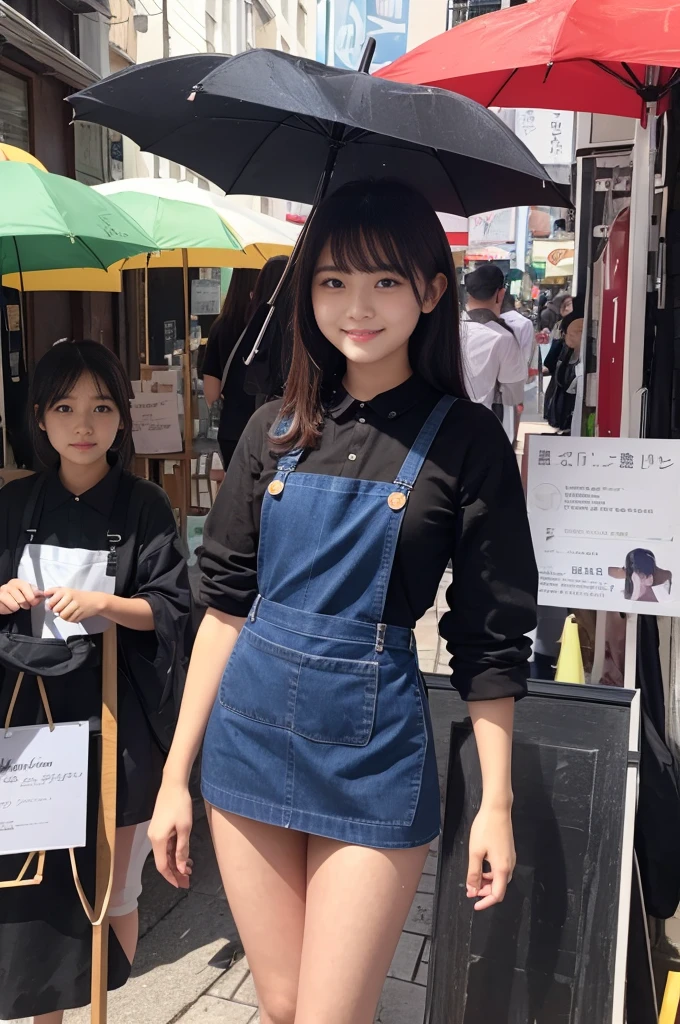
(343, 26)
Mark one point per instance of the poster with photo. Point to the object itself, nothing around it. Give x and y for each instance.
(605, 523)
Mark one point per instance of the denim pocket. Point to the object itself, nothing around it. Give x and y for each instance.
(325, 699)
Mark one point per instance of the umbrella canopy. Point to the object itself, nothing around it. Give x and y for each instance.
(83, 279)
(20, 156)
(172, 222)
(48, 222)
(216, 231)
(589, 55)
(268, 123)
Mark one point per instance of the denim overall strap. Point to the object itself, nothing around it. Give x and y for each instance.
(405, 481)
(287, 463)
(413, 462)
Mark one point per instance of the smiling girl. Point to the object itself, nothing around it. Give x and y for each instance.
(343, 504)
(82, 545)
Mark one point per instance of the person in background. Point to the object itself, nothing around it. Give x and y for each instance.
(225, 345)
(555, 310)
(521, 326)
(561, 364)
(494, 364)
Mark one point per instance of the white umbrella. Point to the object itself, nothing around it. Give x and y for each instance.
(260, 235)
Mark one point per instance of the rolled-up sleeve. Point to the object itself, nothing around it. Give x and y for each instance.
(228, 557)
(492, 599)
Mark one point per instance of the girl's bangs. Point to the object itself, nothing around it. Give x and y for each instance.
(368, 249)
(75, 366)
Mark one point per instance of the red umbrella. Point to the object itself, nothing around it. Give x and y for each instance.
(589, 55)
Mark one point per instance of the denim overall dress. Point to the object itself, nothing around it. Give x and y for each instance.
(321, 721)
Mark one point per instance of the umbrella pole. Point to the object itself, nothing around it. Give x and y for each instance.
(186, 364)
(146, 312)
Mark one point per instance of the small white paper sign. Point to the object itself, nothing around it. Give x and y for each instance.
(155, 424)
(205, 298)
(43, 787)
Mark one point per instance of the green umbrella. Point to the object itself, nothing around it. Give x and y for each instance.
(171, 222)
(48, 222)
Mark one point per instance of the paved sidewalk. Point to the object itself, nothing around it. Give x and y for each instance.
(190, 966)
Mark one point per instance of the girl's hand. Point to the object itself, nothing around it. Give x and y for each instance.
(169, 833)
(491, 839)
(18, 594)
(75, 605)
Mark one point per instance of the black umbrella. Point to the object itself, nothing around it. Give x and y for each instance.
(268, 123)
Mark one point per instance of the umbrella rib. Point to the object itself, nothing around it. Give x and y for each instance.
(614, 74)
(453, 184)
(92, 252)
(499, 90)
(252, 154)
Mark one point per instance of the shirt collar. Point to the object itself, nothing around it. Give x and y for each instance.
(100, 497)
(387, 405)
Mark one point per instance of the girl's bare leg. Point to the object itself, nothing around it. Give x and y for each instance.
(264, 871)
(357, 902)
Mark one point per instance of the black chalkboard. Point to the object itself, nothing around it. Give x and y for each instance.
(547, 954)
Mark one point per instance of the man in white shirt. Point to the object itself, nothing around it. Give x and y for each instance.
(493, 361)
(521, 326)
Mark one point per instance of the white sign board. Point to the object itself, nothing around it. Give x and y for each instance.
(547, 133)
(604, 521)
(43, 787)
(205, 297)
(492, 228)
(155, 424)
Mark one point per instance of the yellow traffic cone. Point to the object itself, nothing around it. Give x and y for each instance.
(671, 999)
(570, 661)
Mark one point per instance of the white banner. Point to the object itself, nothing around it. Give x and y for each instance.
(549, 134)
(43, 787)
(604, 521)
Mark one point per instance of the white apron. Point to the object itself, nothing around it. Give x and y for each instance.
(48, 565)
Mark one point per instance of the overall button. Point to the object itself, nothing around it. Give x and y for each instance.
(275, 487)
(361, 419)
(76, 499)
(352, 457)
(396, 500)
(391, 415)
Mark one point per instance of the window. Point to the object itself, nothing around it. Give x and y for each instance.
(284, 45)
(210, 26)
(285, 9)
(458, 11)
(250, 25)
(302, 25)
(14, 111)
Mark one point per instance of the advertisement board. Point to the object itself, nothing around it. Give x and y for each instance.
(604, 522)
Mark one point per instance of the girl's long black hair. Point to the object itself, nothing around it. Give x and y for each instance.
(371, 226)
(54, 377)
(639, 560)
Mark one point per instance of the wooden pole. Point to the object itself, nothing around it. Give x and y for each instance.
(106, 827)
(147, 358)
(188, 414)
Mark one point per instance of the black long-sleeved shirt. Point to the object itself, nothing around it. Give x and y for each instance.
(467, 507)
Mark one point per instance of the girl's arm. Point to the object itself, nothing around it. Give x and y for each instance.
(212, 388)
(491, 836)
(76, 605)
(172, 817)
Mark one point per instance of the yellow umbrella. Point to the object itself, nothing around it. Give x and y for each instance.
(8, 152)
(83, 279)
